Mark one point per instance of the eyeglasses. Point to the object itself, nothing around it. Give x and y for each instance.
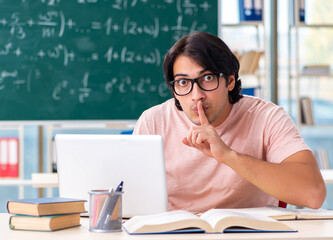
(207, 82)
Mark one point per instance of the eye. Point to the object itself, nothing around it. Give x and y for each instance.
(208, 77)
(183, 82)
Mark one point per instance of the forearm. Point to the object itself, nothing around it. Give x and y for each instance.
(294, 181)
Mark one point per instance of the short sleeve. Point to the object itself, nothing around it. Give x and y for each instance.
(282, 137)
(141, 126)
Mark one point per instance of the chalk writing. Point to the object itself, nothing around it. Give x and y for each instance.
(75, 53)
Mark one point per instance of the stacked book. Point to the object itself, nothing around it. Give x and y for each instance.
(45, 214)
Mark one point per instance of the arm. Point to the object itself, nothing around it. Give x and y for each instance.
(296, 180)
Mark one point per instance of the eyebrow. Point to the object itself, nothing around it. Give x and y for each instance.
(185, 75)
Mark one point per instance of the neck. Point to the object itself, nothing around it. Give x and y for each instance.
(224, 115)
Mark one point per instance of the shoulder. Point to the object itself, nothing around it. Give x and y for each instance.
(255, 104)
(259, 107)
(157, 118)
(262, 114)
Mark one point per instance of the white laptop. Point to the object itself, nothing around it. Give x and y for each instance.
(101, 161)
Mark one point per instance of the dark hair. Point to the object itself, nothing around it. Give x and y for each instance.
(208, 51)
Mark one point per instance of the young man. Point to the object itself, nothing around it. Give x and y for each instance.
(222, 149)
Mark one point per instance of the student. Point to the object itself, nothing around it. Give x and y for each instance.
(224, 149)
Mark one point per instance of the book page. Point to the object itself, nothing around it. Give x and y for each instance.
(165, 218)
(213, 216)
(270, 211)
(279, 213)
(314, 214)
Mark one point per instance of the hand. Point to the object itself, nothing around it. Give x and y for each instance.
(205, 138)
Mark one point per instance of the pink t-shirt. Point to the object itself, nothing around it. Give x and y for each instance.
(196, 182)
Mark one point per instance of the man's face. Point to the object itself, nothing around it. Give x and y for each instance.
(215, 103)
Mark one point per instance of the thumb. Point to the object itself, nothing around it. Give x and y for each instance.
(185, 141)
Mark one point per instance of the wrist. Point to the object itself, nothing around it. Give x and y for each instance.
(230, 157)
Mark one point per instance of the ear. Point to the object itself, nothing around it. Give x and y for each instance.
(231, 82)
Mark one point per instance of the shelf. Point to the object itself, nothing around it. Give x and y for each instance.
(38, 180)
(327, 175)
(304, 25)
(252, 59)
(15, 182)
(301, 70)
(315, 75)
(124, 124)
(330, 75)
(243, 24)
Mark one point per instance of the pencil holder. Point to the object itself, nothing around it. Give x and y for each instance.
(105, 213)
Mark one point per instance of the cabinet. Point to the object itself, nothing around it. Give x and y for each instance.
(310, 44)
(247, 39)
(309, 65)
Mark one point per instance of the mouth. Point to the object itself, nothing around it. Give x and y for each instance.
(195, 109)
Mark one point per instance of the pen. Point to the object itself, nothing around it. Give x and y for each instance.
(120, 187)
(113, 203)
(108, 207)
(104, 209)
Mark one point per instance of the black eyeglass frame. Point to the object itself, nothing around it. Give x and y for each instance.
(195, 80)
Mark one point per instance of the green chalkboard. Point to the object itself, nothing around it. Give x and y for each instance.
(90, 59)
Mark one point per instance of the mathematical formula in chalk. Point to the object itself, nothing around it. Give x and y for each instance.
(69, 54)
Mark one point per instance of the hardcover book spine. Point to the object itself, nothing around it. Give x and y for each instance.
(3, 158)
(250, 10)
(12, 157)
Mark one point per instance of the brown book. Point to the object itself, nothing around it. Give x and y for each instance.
(245, 61)
(44, 223)
(212, 221)
(253, 66)
(46, 206)
(306, 111)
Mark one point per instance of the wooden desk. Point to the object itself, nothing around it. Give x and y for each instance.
(310, 229)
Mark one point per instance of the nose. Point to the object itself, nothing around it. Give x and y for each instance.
(197, 93)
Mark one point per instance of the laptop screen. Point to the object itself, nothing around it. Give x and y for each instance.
(101, 161)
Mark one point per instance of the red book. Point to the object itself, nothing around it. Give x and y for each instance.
(13, 153)
(9, 153)
(3, 157)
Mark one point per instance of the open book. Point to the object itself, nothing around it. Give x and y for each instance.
(212, 221)
(279, 213)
